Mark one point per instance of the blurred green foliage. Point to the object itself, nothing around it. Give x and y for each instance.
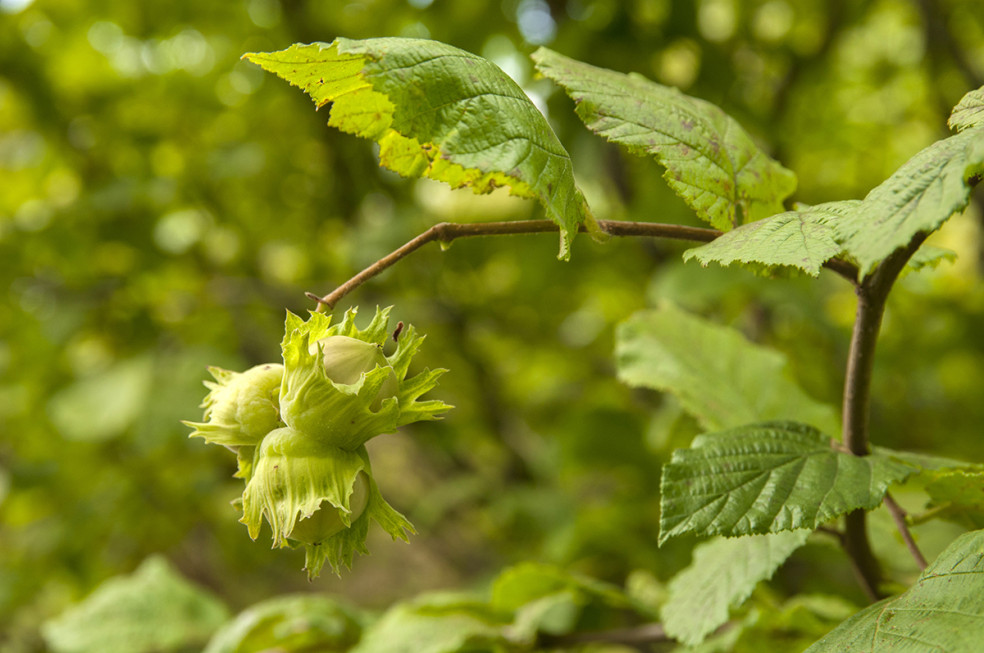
(162, 203)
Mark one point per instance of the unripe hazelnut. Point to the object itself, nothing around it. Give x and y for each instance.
(326, 520)
(347, 359)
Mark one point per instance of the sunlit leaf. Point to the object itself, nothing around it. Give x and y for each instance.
(969, 112)
(722, 575)
(710, 161)
(800, 239)
(919, 197)
(154, 610)
(767, 478)
(942, 611)
(439, 112)
(719, 376)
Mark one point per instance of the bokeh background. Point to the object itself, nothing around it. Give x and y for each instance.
(162, 203)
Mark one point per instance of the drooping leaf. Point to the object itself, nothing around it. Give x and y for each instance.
(289, 624)
(720, 377)
(435, 623)
(711, 163)
(767, 478)
(438, 112)
(801, 239)
(942, 611)
(969, 112)
(154, 610)
(722, 575)
(919, 197)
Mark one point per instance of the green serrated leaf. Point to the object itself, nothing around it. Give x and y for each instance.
(711, 163)
(721, 576)
(942, 611)
(767, 478)
(969, 112)
(154, 610)
(436, 623)
(289, 624)
(919, 197)
(439, 112)
(720, 377)
(801, 239)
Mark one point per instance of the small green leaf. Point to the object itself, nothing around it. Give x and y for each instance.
(801, 239)
(439, 112)
(719, 377)
(290, 624)
(959, 493)
(154, 610)
(919, 197)
(711, 163)
(969, 112)
(942, 611)
(767, 478)
(928, 257)
(722, 575)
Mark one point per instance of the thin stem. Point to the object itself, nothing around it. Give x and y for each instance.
(872, 294)
(446, 232)
(898, 516)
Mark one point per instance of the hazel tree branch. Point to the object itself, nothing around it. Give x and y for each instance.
(446, 232)
(872, 292)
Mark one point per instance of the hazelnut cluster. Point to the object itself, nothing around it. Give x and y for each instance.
(299, 431)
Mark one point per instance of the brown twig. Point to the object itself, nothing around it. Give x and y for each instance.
(898, 516)
(446, 232)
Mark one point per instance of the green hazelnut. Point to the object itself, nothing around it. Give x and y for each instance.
(326, 520)
(347, 359)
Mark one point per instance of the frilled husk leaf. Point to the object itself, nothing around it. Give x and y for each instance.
(292, 475)
(342, 414)
(241, 407)
(339, 549)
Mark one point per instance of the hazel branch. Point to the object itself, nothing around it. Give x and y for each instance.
(872, 292)
(446, 232)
